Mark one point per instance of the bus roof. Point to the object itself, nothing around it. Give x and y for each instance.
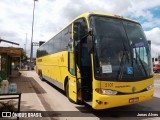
(86, 14)
(103, 14)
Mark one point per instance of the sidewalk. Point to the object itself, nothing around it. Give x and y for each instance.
(156, 76)
(39, 95)
(31, 90)
(29, 98)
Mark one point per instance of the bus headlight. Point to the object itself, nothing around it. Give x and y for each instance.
(150, 87)
(106, 92)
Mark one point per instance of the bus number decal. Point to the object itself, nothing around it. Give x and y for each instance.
(108, 84)
(39, 60)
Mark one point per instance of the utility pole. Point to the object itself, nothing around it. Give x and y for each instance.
(31, 52)
(26, 44)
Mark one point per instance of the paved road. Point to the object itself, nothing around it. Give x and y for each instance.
(54, 100)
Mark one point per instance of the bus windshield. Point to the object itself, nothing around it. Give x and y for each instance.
(121, 51)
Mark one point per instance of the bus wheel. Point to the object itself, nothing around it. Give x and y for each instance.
(41, 76)
(67, 90)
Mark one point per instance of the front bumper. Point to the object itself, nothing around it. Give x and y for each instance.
(108, 101)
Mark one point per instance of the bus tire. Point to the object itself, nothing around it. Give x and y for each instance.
(67, 90)
(41, 76)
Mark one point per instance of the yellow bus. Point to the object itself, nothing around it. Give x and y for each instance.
(101, 59)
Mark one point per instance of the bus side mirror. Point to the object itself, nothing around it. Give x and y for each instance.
(90, 40)
(69, 46)
(149, 42)
(90, 43)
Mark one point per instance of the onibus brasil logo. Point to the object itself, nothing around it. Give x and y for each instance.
(24, 114)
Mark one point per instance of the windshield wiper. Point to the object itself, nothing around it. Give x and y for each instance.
(121, 67)
(137, 55)
(120, 74)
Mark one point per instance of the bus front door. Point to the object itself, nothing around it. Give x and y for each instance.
(72, 77)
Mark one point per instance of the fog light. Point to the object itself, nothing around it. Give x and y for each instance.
(105, 103)
(99, 102)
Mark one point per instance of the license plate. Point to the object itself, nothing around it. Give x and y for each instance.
(133, 100)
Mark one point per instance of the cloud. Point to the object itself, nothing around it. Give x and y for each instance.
(52, 15)
(72, 9)
(151, 24)
(154, 36)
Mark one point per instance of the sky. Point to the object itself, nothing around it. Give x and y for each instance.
(52, 15)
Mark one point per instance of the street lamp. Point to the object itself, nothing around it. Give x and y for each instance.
(31, 53)
(26, 44)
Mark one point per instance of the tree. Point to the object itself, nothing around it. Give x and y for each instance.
(24, 56)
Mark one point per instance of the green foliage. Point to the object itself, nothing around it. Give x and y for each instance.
(24, 56)
(8, 106)
(1, 79)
